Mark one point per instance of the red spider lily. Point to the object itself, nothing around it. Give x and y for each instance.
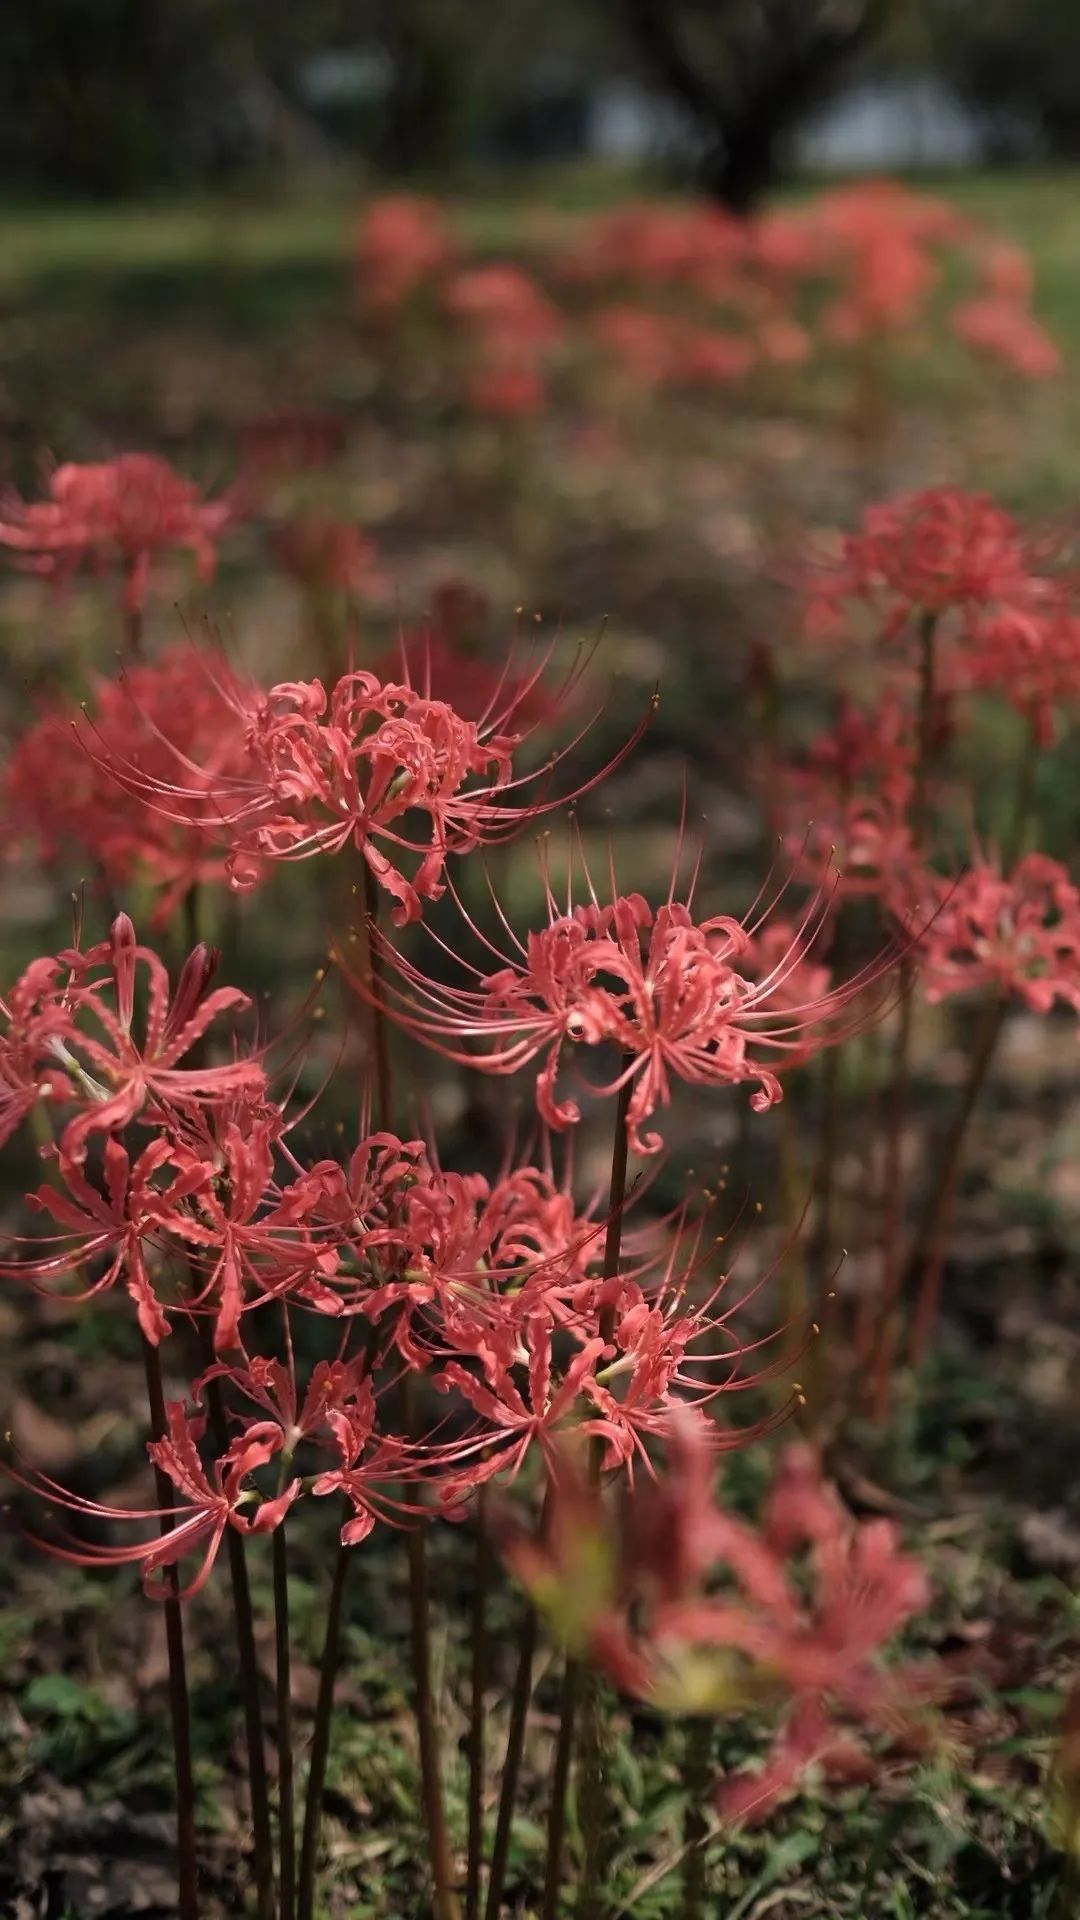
(369, 1465)
(659, 987)
(120, 1077)
(1017, 933)
(366, 1196)
(334, 1387)
(211, 1500)
(37, 1014)
(1030, 655)
(403, 244)
(157, 714)
(514, 1420)
(645, 1614)
(877, 236)
(509, 387)
(257, 1240)
(1005, 331)
(711, 358)
(846, 806)
(351, 768)
(502, 304)
(932, 553)
(661, 1347)
(508, 325)
(641, 344)
(127, 510)
(643, 243)
(115, 1224)
(454, 1259)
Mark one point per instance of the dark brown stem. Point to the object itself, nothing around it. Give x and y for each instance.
(478, 1691)
(249, 1684)
(592, 1796)
(900, 1093)
(928, 1258)
(446, 1906)
(826, 1178)
(286, 1813)
(1015, 840)
(320, 1738)
(380, 1036)
(331, 1653)
(133, 617)
(580, 1688)
(515, 1743)
(929, 1254)
(560, 1780)
(697, 1779)
(187, 1869)
(416, 1540)
(1065, 1904)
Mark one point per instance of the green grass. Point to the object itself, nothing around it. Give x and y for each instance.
(253, 231)
(100, 305)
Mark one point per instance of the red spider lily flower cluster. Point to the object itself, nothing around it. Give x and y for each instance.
(403, 243)
(177, 1180)
(938, 552)
(157, 715)
(692, 298)
(877, 237)
(691, 1608)
(998, 320)
(1016, 934)
(671, 997)
(845, 805)
(508, 327)
(355, 766)
(124, 512)
(1005, 617)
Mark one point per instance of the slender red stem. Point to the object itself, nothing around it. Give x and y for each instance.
(187, 1869)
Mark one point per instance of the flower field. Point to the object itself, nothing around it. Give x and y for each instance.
(538, 1050)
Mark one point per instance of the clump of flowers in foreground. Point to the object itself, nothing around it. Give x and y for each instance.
(416, 1343)
(293, 1293)
(367, 764)
(640, 1593)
